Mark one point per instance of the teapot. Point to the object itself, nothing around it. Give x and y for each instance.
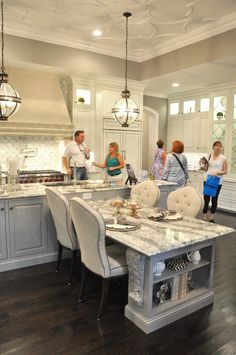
(194, 256)
(159, 267)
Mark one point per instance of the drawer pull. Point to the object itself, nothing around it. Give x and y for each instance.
(11, 208)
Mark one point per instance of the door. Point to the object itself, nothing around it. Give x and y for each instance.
(3, 237)
(132, 149)
(27, 227)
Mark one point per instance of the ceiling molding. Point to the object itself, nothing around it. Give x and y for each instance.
(153, 30)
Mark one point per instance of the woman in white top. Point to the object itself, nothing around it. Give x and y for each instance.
(217, 166)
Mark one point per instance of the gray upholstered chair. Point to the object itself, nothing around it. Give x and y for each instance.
(147, 193)
(66, 236)
(107, 262)
(186, 201)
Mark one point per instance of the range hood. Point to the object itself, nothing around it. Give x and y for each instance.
(43, 110)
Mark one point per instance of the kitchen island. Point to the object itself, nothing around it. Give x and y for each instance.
(188, 288)
(27, 231)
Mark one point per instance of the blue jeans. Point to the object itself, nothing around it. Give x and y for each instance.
(81, 174)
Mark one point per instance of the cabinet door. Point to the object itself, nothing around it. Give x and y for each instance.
(3, 238)
(203, 136)
(175, 131)
(189, 134)
(112, 136)
(83, 120)
(27, 228)
(132, 149)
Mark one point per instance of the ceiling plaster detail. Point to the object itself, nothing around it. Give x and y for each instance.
(156, 27)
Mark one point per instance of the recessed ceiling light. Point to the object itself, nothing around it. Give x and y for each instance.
(175, 85)
(97, 33)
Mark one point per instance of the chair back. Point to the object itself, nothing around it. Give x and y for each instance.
(59, 207)
(185, 200)
(147, 193)
(91, 231)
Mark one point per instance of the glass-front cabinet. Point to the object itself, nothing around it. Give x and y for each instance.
(201, 117)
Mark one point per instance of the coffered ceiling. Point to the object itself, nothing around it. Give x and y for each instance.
(156, 27)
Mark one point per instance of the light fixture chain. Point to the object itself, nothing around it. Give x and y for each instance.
(2, 34)
(126, 54)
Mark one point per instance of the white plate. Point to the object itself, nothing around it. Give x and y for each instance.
(121, 227)
(173, 217)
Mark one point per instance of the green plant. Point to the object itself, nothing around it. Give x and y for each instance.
(81, 100)
(219, 114)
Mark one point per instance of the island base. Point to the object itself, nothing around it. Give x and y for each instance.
(171, 315)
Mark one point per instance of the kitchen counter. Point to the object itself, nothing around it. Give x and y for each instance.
(37, 189)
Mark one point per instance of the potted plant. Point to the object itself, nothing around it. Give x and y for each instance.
(219, 115)
(81, 100)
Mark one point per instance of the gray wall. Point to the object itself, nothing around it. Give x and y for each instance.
(160, 105)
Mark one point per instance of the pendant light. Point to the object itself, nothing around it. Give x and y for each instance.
(125, 111)
(9, 98)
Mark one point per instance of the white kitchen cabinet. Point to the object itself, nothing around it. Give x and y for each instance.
(27, 226)
(191, 126)
(84, 120)
(196, 179)
(175, 131)
(3, 240)
(129, 145)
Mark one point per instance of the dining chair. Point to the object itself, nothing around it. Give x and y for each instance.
(146, 192)
(105, 261)
(66, 235)
(186, 201)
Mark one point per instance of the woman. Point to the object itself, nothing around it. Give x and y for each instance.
(176, 165)
(114, 162)
(159, 160)
(217, 166)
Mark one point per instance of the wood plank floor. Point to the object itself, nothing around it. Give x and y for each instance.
(39, 314)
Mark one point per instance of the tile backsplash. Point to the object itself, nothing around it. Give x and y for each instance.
(32, 153)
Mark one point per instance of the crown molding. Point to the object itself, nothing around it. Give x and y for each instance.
(209, 30)
(155, 94)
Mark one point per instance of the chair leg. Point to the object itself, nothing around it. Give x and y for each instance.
(105, 289)
(72, 264)
(82, 283)
(59, 255)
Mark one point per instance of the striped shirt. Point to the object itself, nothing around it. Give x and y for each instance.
(173, 171)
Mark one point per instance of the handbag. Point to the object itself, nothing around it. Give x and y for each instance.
(211, 185)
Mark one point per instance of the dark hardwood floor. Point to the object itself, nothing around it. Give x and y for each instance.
(39, 314)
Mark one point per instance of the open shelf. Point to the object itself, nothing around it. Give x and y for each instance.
(162, 307)
(168, 274)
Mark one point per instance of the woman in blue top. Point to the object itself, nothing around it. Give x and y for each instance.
(114, 162)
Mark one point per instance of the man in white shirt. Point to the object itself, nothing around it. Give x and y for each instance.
(75, 155)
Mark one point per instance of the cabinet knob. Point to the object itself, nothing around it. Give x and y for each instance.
(2, 208)
(11, 208)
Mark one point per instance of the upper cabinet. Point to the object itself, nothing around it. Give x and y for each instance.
(200, 118)
(189, 122)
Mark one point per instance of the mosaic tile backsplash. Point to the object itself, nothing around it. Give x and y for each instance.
(32, 153)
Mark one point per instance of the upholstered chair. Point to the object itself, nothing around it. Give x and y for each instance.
(66, 236)
(147, 193)
(107, 262)
(186, 201)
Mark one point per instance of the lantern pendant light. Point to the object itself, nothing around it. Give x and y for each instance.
(125, 111)
(9, 98)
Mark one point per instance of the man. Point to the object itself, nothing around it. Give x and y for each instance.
(75, 155)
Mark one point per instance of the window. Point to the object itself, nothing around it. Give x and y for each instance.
(204, 105)
(83, 96)
(174, 108)
(189, 106)
(219, 111)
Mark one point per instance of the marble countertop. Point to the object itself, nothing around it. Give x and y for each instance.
(158, 237)
(37, 189)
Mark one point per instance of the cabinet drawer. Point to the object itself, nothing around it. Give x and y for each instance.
(112, 124)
